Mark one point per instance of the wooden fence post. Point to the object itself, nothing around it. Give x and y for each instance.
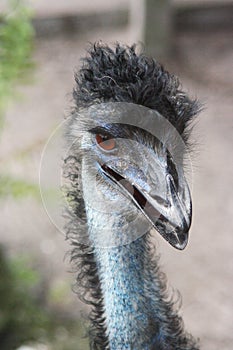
(151, 24)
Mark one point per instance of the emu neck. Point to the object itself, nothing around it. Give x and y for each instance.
(126, 286)
(134, 312)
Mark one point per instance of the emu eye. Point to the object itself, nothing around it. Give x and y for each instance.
(107, 143)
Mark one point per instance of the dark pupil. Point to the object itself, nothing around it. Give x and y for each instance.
(106, 138)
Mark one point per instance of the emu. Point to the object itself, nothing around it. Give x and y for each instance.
(127, 136)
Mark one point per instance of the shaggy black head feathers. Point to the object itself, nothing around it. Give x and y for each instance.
(122, 75)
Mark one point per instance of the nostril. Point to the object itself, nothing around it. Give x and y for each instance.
(171, 183)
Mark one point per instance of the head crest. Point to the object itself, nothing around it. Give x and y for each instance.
(120, 74)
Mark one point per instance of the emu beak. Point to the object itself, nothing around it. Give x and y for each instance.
(171, 216)
(169, 212)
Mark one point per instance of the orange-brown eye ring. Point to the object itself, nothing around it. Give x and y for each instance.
(105, 142)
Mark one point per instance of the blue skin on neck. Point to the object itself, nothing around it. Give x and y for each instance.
(128, 302)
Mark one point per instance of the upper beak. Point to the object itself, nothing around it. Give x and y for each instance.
(168, 208)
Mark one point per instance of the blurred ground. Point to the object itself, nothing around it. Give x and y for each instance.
(203, 272)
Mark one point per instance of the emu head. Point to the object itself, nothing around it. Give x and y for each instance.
(129, 131)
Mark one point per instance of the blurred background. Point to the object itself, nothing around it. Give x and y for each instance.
(41, 43)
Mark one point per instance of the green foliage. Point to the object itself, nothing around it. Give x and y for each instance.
(26, 315)
(22, 315)
(16, 37)
(16, 34)
(17, 188)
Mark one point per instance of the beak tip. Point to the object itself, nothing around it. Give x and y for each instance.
(181, 240)
(176, 237)
(178, 240)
